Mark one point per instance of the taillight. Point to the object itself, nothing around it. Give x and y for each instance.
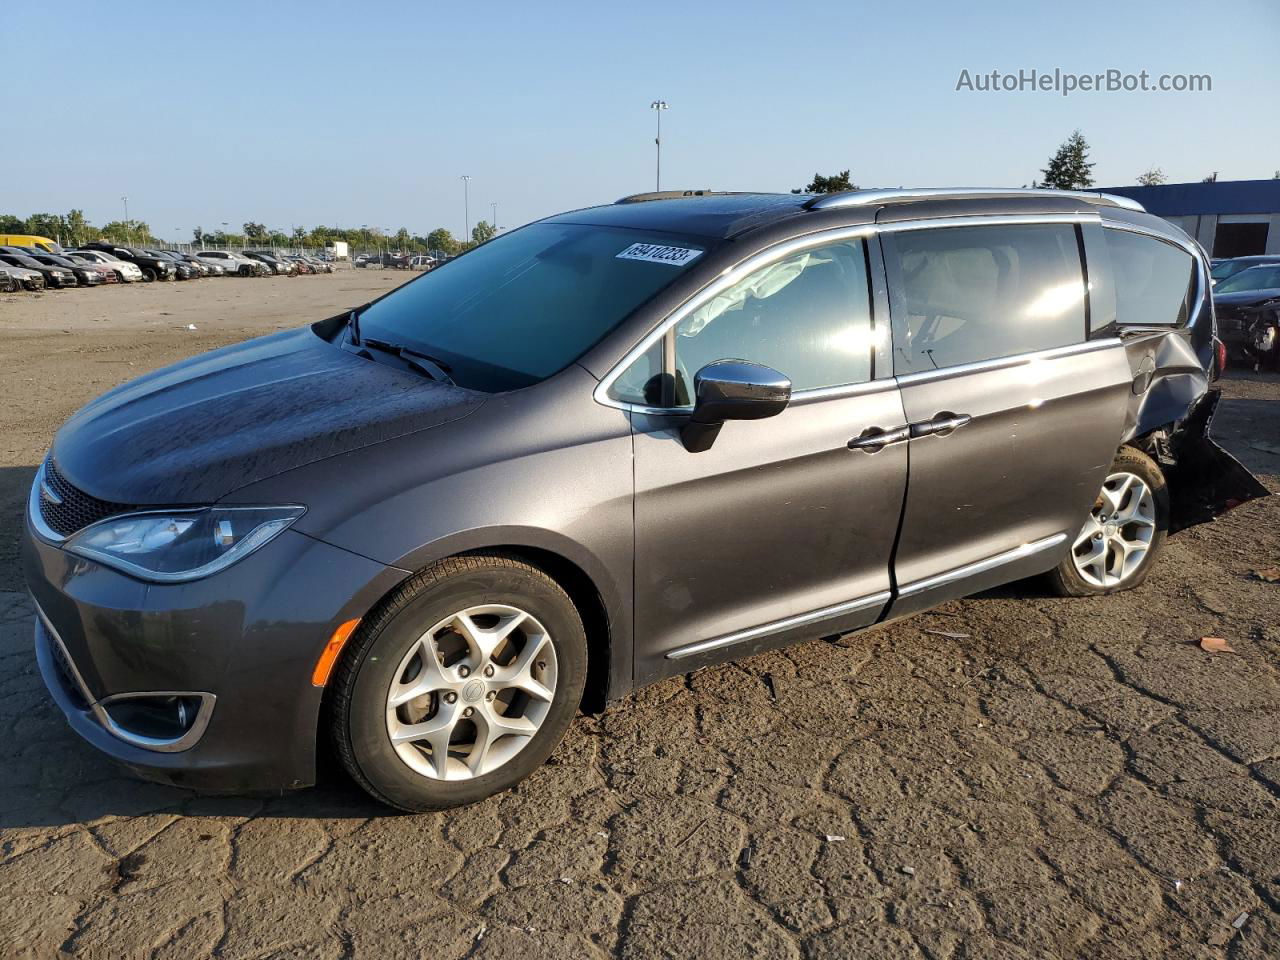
(1221, 357)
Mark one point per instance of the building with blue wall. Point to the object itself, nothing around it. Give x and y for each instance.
(1230, 218)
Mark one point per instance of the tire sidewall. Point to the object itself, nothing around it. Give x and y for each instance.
(365, 719)
(1129, 460)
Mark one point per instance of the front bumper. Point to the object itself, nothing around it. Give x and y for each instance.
(247, 639)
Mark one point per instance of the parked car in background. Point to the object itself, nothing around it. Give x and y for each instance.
(1248, 307)
(608, 448)
(206, 267)
(54, 276)
(43, 244)
(87, 274)
(302, 264)
(274, 263)
(107, 273)
(236, 264)
(125, 271)
(32, 280)
(8, 282)
(422, 262)
(1225, 269)
(184, 270)
(153, 267)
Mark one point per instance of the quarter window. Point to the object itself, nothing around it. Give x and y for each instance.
(967, 294)
(1152, 278)
(807, 316)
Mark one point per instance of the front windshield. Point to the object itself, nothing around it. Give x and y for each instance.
(1255, 278)
(1224, 268)
(527, 304)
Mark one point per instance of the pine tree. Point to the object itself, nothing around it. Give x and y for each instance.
(1152, 178)
(1069, 168)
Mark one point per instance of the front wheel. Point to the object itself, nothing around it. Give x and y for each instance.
(1123, 534)
(461, 685)
(148, 275)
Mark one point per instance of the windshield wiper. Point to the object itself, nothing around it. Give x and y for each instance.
(433, 367)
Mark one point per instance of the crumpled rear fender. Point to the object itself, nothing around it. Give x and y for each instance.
(1204, 480)
(1170, 413)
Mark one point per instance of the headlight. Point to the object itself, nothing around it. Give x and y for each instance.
(180, 545)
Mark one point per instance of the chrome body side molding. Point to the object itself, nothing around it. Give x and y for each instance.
(982, 566)
(777, 626)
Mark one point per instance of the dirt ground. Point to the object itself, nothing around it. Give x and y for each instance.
(1010, 776)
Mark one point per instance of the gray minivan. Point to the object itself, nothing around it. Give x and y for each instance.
(614, 445)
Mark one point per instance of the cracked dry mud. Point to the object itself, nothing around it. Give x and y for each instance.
(1075, 778)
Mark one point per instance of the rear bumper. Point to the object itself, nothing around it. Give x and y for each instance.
(244, 642)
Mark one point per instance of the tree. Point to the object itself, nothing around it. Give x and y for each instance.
(78, 229)
(482, 232)
(1069, 168)
(836, 183)
(198, 236)
(442, 239)
(1211, 178)
(1152, 178)
(11, 224)
(47, 225)
(403, 239)
(256, 232)
(128, 232)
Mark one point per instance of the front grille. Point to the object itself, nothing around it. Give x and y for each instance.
(76, 509)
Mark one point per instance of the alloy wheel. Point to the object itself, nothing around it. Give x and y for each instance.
(471, 692)
(1118, 534)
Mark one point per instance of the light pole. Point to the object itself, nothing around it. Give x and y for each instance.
(226, 237)
(128, 234)
(658, 106)
(494, 222)
(466, 206)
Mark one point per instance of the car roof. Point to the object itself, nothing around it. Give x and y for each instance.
(723, 215)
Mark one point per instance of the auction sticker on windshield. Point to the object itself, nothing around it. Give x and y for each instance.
(657, 253)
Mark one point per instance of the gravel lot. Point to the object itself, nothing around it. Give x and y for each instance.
(1010, 776)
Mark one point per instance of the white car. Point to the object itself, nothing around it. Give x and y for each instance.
(126, 271)
(235, 264)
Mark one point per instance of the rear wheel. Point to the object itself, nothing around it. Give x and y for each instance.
(1123, 534)
(461, 685)
(148, 274)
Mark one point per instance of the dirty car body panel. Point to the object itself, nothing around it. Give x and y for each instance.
(900, 474)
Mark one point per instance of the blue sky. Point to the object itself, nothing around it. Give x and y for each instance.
(306, 113)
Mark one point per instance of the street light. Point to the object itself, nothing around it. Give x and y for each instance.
(658, 106)
(466, 206)
(494, 205)
(128, 234)
(226, 237)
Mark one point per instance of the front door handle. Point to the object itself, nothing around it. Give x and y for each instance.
(873, 439)
(941, 425)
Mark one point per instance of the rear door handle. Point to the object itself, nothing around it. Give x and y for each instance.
(941, 425)
(873, 439)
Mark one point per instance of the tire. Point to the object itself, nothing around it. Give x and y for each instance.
(148, 275)
(546, 651)
(1099, 561)
(120, 278)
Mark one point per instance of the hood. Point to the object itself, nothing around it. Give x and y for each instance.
(1243, 298)
(193, 432)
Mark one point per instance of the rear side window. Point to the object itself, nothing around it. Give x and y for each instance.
(967, 294)
(1152, 278)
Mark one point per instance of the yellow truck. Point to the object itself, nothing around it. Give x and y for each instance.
(28, 240)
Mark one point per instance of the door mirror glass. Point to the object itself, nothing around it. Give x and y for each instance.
(732, 390)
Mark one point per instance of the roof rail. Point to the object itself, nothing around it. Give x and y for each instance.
(673, 195)
(864, 198)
